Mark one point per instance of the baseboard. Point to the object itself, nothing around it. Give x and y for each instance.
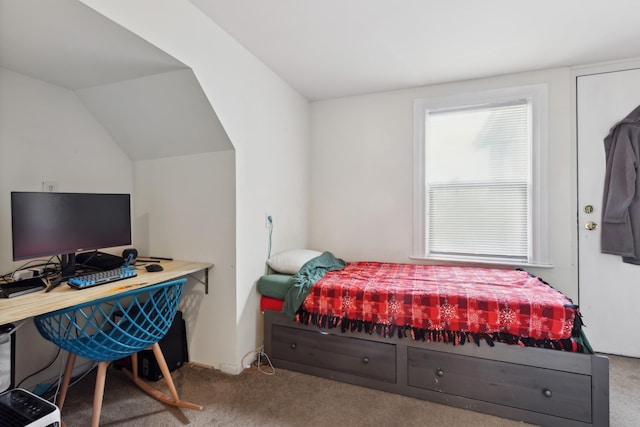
(228, 368)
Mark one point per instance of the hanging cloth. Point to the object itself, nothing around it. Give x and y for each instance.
(620, 234)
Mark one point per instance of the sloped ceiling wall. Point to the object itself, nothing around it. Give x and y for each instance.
(150, 103)
(162, 115)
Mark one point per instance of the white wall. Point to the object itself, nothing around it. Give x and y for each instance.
(185, 209)
(47, 134)
(268, 124)
(362, 183)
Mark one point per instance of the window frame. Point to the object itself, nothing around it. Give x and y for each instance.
(538, 227)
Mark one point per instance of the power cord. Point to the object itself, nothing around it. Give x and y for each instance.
(46, 266)
(74, 381)
(259, 353)
(41, 370)
(270, 227)
(258, 362)
(270, 221)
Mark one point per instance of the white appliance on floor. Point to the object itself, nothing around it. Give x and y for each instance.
(21, 408)
(6, 357)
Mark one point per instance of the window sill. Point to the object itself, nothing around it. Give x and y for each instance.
(478, 262)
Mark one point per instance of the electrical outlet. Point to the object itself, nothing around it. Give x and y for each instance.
(49, 186)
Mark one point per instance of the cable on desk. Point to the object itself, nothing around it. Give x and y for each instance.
(41, 263)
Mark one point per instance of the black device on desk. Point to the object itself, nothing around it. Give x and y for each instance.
(21, 287)
(99, 260)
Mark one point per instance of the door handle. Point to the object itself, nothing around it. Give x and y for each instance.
(591, 226)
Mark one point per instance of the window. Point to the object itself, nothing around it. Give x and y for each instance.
(480, 177)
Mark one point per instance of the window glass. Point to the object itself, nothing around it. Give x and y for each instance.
(477, 174)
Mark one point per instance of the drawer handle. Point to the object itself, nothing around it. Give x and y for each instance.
(440, 373)
(365, 360)
(546, 392)
(293, 346)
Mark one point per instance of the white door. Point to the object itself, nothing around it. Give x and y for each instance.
(609, 289)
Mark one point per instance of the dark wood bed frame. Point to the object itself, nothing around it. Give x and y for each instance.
(538, 386)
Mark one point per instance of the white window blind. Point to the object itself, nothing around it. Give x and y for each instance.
(478, 181)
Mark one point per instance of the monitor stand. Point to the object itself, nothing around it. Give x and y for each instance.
(67, 266)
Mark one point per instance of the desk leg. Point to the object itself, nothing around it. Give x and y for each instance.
(174, 399)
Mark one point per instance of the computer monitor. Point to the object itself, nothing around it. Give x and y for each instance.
(45, 224)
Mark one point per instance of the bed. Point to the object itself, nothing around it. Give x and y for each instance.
(496, 341)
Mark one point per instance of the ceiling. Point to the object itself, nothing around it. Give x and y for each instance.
(68, 44)
(150, 103)
(334, 48)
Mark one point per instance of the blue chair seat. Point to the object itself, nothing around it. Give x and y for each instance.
(114, 327)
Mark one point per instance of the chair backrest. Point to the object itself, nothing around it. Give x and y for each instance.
(114, 327)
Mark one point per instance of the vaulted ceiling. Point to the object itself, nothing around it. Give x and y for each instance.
(151, 104)
(334, 48)
(322, 48)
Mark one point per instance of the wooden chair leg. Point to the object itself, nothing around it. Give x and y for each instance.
(68, 370)
(134, 364)
(174, 399)
(98, 393)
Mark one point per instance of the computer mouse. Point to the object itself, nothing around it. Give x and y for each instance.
(153, 268)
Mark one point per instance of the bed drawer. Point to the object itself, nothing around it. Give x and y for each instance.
(348, 355)
(541, 390)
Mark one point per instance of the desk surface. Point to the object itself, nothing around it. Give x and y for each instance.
(35, 303)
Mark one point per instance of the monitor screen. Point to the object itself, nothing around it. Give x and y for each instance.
(46, 224)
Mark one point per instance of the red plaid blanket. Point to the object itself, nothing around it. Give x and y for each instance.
(442, 303)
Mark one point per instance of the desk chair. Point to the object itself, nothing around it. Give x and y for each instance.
(114, 327)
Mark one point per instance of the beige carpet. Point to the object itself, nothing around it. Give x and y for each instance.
(293, 399)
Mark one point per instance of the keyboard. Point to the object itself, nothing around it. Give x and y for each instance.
(101, 277)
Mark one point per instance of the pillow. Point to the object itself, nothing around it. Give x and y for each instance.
(274, 285)
(289, 262)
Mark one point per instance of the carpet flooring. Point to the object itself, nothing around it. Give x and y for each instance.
(292, 399)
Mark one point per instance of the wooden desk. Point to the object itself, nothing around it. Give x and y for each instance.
(33, 304)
